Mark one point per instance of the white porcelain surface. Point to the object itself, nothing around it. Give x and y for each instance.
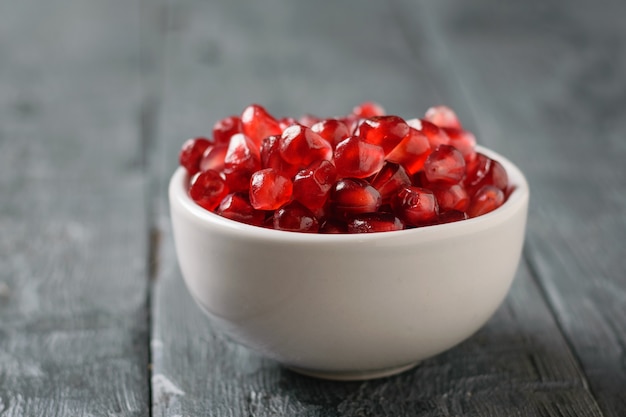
(349, 306)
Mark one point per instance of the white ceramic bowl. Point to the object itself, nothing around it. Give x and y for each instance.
(349, 306)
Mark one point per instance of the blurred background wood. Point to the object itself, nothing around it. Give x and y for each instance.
(97, 97)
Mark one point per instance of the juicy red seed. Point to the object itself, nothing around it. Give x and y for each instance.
(389, 180)
(436, 136)
(485, 171)
(308, 120)
(300, 146)
(487, 199)
(374, 222)
(312, 185)
(451, 197)
(333, 130)
(451, 216)
(443, 116)
(236, 206)
(270, 157)
(258, 124)
(411, 152)
(358, 159)
(269, 190)
(444, 165)
(224, 129)
(333, 226)
(294, 217)
(368, 109)
(385, 131)
(208, 189)
(241, 160)
(463, 140)
(191, 153)
(416, 206)
(353, 196)
(213, 158)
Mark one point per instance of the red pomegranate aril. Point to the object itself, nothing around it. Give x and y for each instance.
(411, 152)
(463, 140)
(241, 161)
(487, 199)
(436, 136)
(391, 178)
(385, 131)
(333, 226)
(270, 157)
(208, 189)
(358, 159)
(294, 217)
(443, 116)
(191, 153)
(374, 222)
(451, 197)
(444, 165)
(451, 216)
(236, 206)
(312, 185)
(258, 124)
(269, 190)
(368, 109)
(353, 196)
(224, 129)
(213, 158)
(333, 130)
(416, 206)
(485, 171)
(300, 146)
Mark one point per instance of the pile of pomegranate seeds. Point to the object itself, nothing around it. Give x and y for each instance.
(361, 173)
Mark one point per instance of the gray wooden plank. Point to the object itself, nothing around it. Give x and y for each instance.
(547, 86)
(73, 313)
(297, 57)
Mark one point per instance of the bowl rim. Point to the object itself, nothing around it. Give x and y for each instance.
(518, 198)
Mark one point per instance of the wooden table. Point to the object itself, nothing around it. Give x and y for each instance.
(96, 97)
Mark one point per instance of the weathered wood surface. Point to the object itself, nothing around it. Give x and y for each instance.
(73, 312)
(96, 98)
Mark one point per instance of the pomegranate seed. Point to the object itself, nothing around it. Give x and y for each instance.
(485, 171)
(333, 226)
(443, 116)
(451, 197)
(436, 136)
(312, 185)
(224, 129)
(270, 157)
(385, 131)
(411, 152)
(333, 130)
(236, 206)
(464, 141)
(487, 199)
(451, 216)
(389, 180)
(300, 146)
(294, 217)
(241, 160)
(374, 222)
(208, 189)
(368, 109)
(308, 120)
(258, 124)
(358, 159)
(285, 122)
(444, 165)
(213, 158)
(353, 196)
(269, 190)
(416, 206)
(191, 153)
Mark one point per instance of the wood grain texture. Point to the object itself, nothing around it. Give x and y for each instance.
(73, 316)
(548, 88)
(297, 57)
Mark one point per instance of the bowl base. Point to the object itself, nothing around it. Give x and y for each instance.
(354, 375)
